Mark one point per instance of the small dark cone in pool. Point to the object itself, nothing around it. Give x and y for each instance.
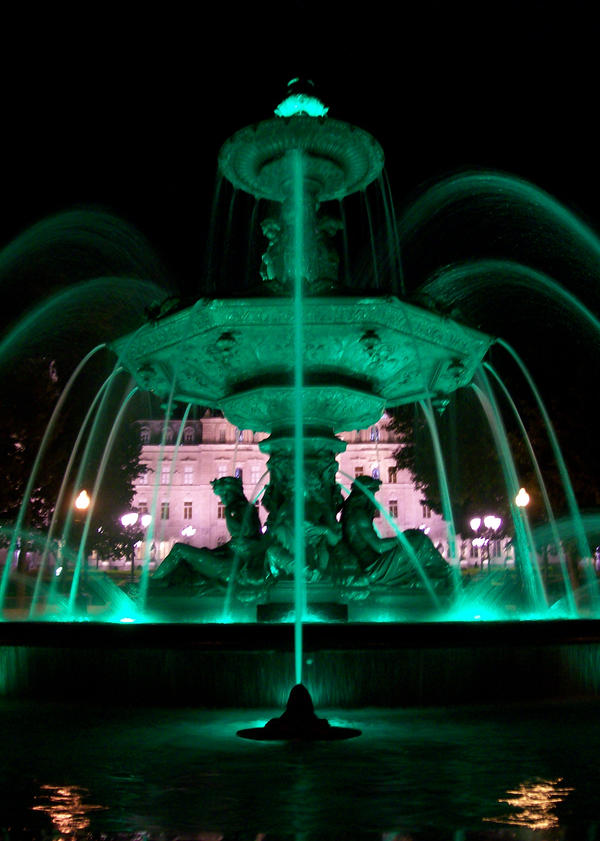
(299, 722)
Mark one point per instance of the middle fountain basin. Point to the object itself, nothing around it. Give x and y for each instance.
(360, 355)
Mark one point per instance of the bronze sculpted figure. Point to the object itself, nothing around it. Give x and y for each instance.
(242, 557)
(400, 561)
(321, 260)
(349, 553)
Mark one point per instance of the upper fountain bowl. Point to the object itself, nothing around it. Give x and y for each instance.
(338, 158)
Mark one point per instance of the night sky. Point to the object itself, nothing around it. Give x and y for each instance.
(127, 111)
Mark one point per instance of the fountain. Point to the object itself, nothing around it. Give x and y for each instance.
(303, 356)
(352, 357)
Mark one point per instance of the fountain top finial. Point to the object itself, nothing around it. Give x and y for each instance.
(301, 101)
(338, 158)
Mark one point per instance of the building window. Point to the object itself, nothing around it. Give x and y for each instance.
(240, 434)
(255, 474)
(239, 473)
(145, 435)
(374, 433)
(375, 472)
(358, 471)
(392, 475)
(187, 510)
(222, 435)
(169, 435)
(142, 507)
(188, 474)
(426, 512)
(220, 511)
(188, 435)
(357, 435)
(164, 511)
(221, 470)
(393, 508)
(165, 474)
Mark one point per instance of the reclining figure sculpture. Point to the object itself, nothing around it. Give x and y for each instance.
(348, 554)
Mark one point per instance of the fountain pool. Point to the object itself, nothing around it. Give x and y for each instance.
(480, 774)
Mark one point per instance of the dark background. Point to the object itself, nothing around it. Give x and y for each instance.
(126, 107)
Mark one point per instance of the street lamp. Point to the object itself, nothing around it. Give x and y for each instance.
(81, 504)
(522, 498)
(491, 524)
(82, 501)
(129, 520)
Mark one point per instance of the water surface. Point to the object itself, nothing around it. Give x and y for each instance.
(478, 773)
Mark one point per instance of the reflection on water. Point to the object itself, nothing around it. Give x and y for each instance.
(534, 803)
(65, 807)
(414, 775)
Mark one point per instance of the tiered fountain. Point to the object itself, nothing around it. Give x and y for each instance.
(304, 358)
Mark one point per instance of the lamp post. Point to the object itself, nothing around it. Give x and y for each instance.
(485, 528)
(128, 521)
(82, 503)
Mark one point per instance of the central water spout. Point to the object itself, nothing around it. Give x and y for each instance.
(298, 206)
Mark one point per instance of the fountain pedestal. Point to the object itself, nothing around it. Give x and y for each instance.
(299, 722)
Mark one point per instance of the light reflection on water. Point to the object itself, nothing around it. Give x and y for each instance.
(426, 774)
(65, 807)
(534, 804)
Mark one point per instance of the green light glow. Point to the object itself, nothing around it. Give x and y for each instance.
(298, 200)
(301, 104)
(308, 617)
(473, 613)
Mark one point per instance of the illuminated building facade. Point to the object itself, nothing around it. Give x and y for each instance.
(210, 447)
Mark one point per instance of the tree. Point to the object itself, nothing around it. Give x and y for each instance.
(31, 389)
(475, 476)
(473, 470)
(107, 536)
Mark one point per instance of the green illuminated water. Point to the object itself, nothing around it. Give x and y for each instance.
(298, 200)
(150, 535)
(583, 545)
(427, 409)
(542, 486)
(524, 539)
(62, 493)
(34, 470)
(421, 774)
(471, 283)
(504, 197)
(81, 564)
